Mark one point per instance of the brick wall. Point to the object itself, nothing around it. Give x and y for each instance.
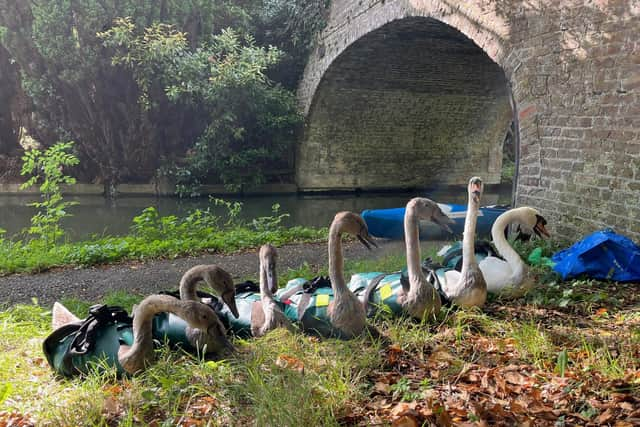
(412, 104)
(574, 67)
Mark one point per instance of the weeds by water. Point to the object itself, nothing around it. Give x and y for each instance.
(153, 236)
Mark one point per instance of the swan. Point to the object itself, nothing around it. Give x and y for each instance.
(177, 331)
(413, 294)
(346, 313)
(467, 287)
(217, 278)
(267, 314)
(135, 357)
(510, 276)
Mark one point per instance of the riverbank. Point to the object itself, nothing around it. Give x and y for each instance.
(92, 284)
(566, 354)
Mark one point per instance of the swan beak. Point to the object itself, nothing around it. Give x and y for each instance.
(443, 221)
(367, 241)
(229, 298)
(541, 230)
(272, 283)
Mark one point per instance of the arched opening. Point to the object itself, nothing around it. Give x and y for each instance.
(412, 104)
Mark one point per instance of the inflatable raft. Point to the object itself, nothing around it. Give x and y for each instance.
(389, 223)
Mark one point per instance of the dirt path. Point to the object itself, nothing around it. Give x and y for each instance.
(91, 284)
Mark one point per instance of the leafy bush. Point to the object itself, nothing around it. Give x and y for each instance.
(251, 120)
(153, 235)
(46, 168)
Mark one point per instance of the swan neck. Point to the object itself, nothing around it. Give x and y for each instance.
(142, 324)
(412, 242)
(188, 286)
(336, 262)
(265, 292)
(501, 243)
(469, 234)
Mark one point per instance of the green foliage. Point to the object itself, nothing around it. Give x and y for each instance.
(562, 362)
(291, 25)
(153, 235)
(251, 120)
(139, 84)
(47, 169)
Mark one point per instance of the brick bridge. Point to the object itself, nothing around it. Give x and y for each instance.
(404, 93)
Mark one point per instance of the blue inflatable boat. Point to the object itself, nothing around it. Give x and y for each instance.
(389, 223)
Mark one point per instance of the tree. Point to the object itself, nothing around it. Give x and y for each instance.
(251, 120)
(131, 117)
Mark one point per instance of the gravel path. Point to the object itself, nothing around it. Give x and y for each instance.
(91, 284)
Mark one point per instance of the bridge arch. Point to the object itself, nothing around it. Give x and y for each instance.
(411, 103)
(572, 70)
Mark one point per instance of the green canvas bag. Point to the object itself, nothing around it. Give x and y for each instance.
(76, 348)
(305, 302)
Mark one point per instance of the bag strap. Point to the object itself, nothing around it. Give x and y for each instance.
(84, 335)
(370, 288)
(100, 315)
(247, 286)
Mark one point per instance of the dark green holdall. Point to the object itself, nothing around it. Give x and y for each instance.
(172, 329)
(306, 303)
(379, 291)
(77, 348)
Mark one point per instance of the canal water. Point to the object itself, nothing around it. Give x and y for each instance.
(95, 215)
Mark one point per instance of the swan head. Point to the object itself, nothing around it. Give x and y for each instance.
(429, 210)
(352, 223)
(222, 282)
(268, 257)
(476, 187)
(202, 319)
(531, 219)
(200, 316)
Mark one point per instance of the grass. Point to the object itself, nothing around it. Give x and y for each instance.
(536, 358)
(155, 236)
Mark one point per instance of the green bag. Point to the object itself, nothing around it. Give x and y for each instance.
(452, 258)
(75, 348)
(379, 291)
(305, 302)
(241, 326)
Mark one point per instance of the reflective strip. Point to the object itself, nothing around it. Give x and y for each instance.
(385, 291)
(322, 300)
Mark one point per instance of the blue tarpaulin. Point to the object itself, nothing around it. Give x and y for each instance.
(601, 255)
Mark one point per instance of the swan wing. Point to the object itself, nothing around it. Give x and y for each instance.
(497, 273)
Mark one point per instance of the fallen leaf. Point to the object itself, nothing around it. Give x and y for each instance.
(515, 378)
(601, 311)
(403, 407)
(406, 420)
(382, 387)
(605, 417)
(289, 362)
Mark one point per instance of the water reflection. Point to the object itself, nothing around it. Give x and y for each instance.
(96, 215)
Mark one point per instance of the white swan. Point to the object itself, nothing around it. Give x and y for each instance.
(467, 287)
(511, 275)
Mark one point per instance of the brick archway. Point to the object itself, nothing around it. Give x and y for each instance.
(412, 103)
(573, 67)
